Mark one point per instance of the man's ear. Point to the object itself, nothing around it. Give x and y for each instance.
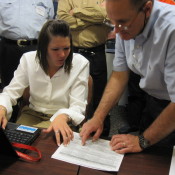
(148, 8)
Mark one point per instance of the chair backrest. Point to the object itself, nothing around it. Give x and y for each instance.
(25, 96)
(89, 108)
(90, 90)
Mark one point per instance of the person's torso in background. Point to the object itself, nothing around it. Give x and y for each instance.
(91, 35)
(24, 18)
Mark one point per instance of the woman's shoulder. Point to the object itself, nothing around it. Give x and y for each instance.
(79, 59)
(29, 57)
(31, 54)
(28, 60)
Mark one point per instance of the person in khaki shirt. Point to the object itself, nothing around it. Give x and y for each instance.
(89, 34)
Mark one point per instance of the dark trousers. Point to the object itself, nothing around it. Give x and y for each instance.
(0, 53)
(136, 101)
(143, 109)
(98, 70)
(10, 56)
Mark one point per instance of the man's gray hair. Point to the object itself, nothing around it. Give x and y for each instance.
(138, 3)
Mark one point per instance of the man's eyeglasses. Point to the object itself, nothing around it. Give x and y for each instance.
(126, 27)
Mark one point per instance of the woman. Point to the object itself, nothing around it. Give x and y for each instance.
(58, 81)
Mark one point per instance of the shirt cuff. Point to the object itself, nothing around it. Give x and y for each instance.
(76, 117)
(6, 103)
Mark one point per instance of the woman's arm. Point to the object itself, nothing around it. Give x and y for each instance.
(15, 89)
(77, 102)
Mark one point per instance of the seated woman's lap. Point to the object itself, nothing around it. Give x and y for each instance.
(32, 118)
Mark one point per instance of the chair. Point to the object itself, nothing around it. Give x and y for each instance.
(89, 107)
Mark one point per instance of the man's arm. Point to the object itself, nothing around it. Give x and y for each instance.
(112, 93)
(51, 9)
(158, 130)
(64, 12)
(162, 126)
(95, 14)
(111, 96)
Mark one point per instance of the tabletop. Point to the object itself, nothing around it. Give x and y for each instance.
(46, 166)
(153, 161)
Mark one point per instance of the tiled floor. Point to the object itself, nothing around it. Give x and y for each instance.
(117, 119)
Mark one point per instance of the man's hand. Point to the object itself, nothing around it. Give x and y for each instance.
(125, 143)
(61, 128)
(103, 4)
(92, 125)
(71, 12)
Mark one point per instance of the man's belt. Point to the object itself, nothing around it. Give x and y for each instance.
(21, 42)
(92, 49)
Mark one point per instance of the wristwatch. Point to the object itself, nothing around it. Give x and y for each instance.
(143, 142)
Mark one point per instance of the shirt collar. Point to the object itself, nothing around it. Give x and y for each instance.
(151, 21)
(58, 73)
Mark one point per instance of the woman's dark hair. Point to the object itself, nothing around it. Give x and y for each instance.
(50, 29)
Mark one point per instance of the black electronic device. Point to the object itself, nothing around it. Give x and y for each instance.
(16, 133)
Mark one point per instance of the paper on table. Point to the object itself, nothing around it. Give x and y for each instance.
(96, 155)
(172, 167)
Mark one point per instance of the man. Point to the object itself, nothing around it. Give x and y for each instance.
(89, 34)
(145, 45)
(20, 23)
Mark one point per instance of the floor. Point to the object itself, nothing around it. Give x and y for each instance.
(118, 113)
(117, 119)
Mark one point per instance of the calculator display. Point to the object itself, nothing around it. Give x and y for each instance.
(26, 128)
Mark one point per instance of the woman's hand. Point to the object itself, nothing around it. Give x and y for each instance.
(61, 128)
(3, 119)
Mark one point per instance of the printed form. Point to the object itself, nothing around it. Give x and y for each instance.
(96, 155)
(172, 167)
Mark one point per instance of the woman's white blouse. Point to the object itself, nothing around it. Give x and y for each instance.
(62, 94)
